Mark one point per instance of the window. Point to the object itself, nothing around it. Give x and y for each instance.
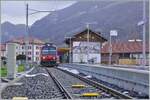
(29, 47)
(37, 53)
(134, 56)
(29, 53)
(37, 58)
(148, 56)
(37, 47)
(49, 50)
(140, 56)
(29, 58)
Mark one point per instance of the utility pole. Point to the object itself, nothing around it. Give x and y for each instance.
(88, 38)
(110, 50)
(27, 32)
(88, 33)
(70, 49)
(32, 46)
(144, 32)
(27, 40)
(70, 60)
(143, 24)
(112, 33)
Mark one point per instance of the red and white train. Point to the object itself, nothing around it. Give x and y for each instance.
(49, 55)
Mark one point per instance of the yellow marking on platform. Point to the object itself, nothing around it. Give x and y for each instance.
(90, 94)
(20, 98)
(78, 86)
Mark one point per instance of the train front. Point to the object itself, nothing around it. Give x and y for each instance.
(49, 55)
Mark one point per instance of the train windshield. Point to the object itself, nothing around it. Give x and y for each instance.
(49, 50)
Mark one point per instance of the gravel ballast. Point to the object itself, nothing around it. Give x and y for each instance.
(37, 87)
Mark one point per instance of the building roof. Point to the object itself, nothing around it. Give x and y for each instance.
(3, 47)
(76, 36)
(125, 47)
(21, 40)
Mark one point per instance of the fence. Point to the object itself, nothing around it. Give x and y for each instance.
(132, 61)
(125, 61)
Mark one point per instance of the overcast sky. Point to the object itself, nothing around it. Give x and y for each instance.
(14, 11)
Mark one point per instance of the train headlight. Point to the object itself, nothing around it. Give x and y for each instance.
(43, 57)
(54, 58)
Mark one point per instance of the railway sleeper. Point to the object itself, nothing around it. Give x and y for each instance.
(100, 86)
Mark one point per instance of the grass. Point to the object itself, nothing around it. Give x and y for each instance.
(21, 68)
(3, 70)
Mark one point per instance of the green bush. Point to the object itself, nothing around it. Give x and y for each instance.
(21, 68)
(3, 71)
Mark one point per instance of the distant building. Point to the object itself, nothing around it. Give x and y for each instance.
(125, 53)
(33, 48)
(3, 50)
(83, 51)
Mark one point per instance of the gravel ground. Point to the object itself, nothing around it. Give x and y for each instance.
(67, 81)
(38, 87)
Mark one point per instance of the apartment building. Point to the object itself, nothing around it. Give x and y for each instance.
(33, 48)
(3, 50)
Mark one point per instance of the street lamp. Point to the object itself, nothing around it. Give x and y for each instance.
(27, 30)
(143, 23)
(112, 33)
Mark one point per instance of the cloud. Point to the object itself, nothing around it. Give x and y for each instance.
(13, 19)
(14, 11)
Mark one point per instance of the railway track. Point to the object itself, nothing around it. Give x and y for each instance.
(61, 88)
(54, 83)
(121, 83)
(38, 84)
(88, 89)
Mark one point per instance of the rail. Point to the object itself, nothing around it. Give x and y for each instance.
(62, 89)
(99, 86)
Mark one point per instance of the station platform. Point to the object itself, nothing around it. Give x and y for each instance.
(128, 78)
(123, 67)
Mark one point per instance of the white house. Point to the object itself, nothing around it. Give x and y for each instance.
(33, 48)
(85, 46)
(3, 50)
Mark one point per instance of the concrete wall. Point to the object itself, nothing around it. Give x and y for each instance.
(83, 52)
(78, 58)
(130, 79)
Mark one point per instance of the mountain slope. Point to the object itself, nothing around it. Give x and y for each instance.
(10, 31)
(122, 16)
